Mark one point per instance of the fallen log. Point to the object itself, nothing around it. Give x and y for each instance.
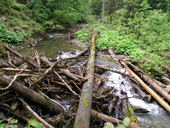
(69, 74)
(105, 117)
(83, 113)
(149, 90)
(105, 68)
(113, 56)
(80, 53)
(31, 94)
(160, 90)
(2, 50)
(19, 55)
(35, 114)
(141, 93)
(165, 80)
(15, 70)
(128, 111)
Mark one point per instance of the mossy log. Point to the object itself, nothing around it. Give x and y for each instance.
(129, 112)
(3, 51)
(19, 55)
(83, 113)
(31, 94)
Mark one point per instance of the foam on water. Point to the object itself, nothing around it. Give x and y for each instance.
(122, 84)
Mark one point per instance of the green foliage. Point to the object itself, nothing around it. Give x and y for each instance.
(18, 6)
(23, 16)
(40, 12)
(48, 25)
(82, 35)
(126, 123)
(10, 36)
(34, 124)
(24, 27)
(11, 123)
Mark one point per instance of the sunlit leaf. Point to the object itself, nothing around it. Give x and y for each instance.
(126, 121)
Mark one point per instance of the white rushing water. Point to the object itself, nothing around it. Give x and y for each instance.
(157, 117)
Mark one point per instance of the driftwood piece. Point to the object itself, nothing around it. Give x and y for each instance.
(45, 60)
(35, 114)
(141, 93)
(160, 90)
(23, 66)
(30, 94)
(69, 74)
(105, 117)
(113, 56)
(159, 83)
(83, 113)
(15, 70)
(31, 61)
(80, 53)
(3, 64)
(66, 84)
(105, 68)
(19, 55)
(15, 113)
(165, 80)
(9, 57)
(47, 71)
(149, 90)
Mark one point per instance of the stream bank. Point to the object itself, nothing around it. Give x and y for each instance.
(111, 85)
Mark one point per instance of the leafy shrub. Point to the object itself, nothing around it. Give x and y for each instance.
(24, 17)
(82, 35)
(47, 25)
(10, 36)
(24, 27)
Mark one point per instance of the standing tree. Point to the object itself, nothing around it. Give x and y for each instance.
(103, 13)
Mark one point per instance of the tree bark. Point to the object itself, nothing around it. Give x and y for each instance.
(128, 111)
(103, 13)
(155, 86)
(149, 90)
(83, 113)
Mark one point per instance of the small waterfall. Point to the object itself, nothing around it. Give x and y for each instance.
(157, 117)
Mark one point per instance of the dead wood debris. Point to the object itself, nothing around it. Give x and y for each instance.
(59, 84)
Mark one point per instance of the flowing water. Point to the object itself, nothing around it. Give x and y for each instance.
(53, 42)
(157, 117)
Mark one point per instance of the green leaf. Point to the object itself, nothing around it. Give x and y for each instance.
(108, 127)
(36, 124)
(121, 126)
(1, 121)
(10, 126)
(126, 121)
(14, 121)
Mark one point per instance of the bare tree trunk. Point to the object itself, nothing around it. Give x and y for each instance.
(83, 113)
(103, 13)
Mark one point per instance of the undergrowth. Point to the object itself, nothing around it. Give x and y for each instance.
(148, 44)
